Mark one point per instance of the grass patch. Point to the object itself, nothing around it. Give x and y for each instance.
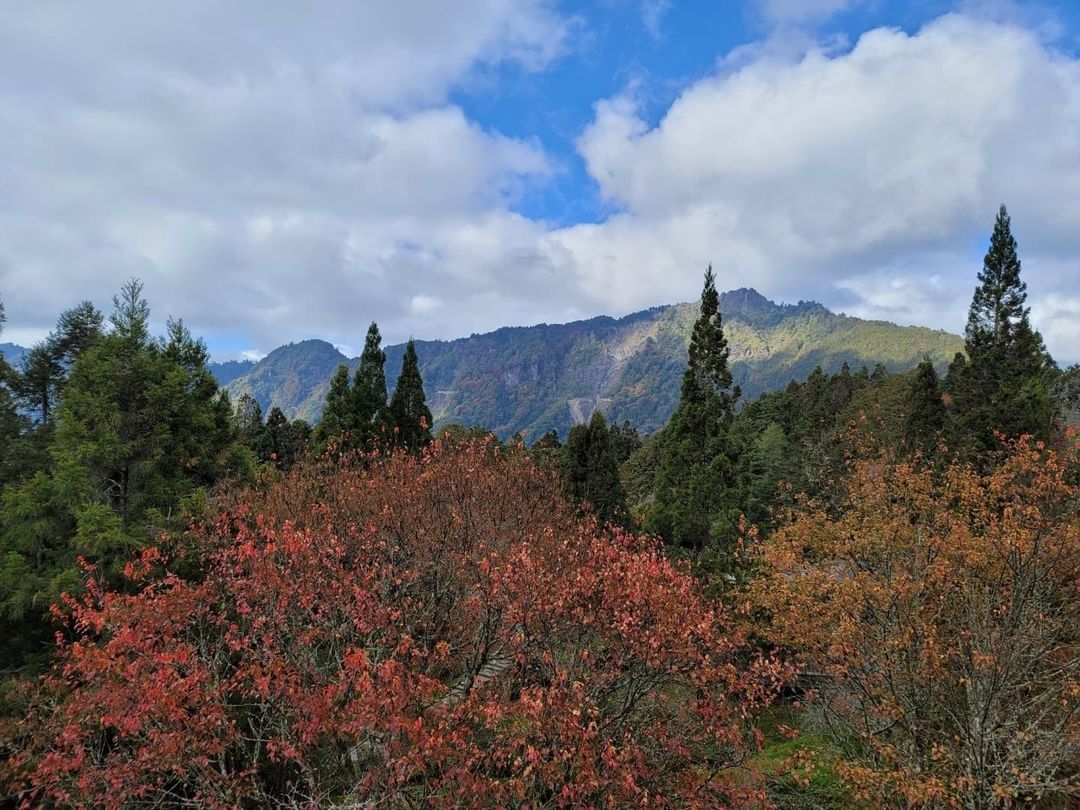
(791, 784)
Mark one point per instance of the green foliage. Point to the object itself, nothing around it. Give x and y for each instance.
(281, 442)
(337, 416)
(1001, 385)
(248, 418)
(139, 433)
(371, 418)
(926, 409)
(408, 407)
(590, 466)
(694, 506)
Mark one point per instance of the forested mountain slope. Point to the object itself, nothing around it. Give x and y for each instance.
(554, 375)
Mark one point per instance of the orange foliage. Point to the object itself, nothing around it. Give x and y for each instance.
(938, 612)
(443, 630)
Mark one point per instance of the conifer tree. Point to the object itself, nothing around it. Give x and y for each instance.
(369, 408)
(11, 423)
(1001, 385)
(926, 409)
(140, 432)
(44, 368)
(591, 469)
(77, 329)
(38, 382)
(547, 450)
(696, 504)
(282, 443)
(408, 407)
(337, 416)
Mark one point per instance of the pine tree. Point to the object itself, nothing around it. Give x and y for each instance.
(282, 443)
(337, 416)
(1001, 384)
(926, 409)
(38, 382)
(696, 502)
(77, 330)
(44, 368)
(591, 470)
(408, 407)
(11, 422)
(369, 407)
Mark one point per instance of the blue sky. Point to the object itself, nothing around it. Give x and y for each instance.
(275, 173)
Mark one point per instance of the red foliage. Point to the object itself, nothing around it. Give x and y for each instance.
(436, 631)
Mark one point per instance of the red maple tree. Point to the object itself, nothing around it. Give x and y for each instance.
(444, 630)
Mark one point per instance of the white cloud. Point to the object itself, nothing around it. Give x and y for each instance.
(800, 11)
(652, 16)
(880, 163)
(279, 172)
(275, 171)
(423, 304)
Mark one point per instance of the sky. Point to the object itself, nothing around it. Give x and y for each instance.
(279, 171)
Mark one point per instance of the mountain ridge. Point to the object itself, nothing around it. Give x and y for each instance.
(550, 376)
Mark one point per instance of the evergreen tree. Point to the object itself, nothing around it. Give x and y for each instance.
(337, 415)
(625, 440)
(696, 501)
(769, 461)
(77, 330)
(140, 433)
(1001, 385)
(12, 423)
(547, 450)
(39, 379)
(282, 443)
(926, 409)
(44, 368)
(408, 407)
(369, 406)
(591, 470)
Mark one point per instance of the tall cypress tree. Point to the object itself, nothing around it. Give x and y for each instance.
(337, 415)
(1001, 385)
(369, 409)
(408, 407)
(926, 409)
(695, 504)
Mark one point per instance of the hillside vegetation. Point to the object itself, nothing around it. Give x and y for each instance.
(552, 376)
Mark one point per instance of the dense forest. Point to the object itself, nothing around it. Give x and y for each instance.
(861, 589)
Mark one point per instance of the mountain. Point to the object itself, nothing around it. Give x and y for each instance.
(13, 354)
(229, 370)
(548, 376)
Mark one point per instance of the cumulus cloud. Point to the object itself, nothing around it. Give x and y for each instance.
(275, 173)
(267, 170)
(858, 177)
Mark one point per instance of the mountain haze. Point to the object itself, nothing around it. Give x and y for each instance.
(548, 376)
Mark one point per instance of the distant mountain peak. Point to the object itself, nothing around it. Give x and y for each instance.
(306, 345)
(535, 378)
(745, 298)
